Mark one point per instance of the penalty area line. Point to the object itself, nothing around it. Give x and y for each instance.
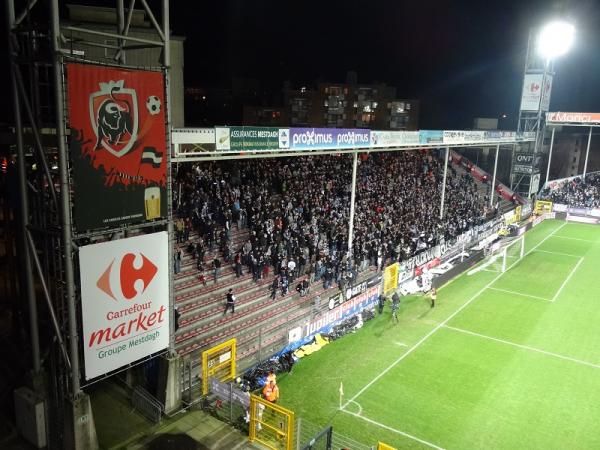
(567, 279)
(440, 325)
(381, 425)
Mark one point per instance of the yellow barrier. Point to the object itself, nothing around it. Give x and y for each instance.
(218, 361)
(390, 278)
(270, 424)
(382, 446)
(542, 206)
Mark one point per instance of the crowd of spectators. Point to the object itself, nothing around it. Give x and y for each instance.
(577, 192)
(297, 212)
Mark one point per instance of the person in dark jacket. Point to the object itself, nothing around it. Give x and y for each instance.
(229, 302)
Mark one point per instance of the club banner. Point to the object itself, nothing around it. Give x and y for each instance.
(124, 301)
(117, 145)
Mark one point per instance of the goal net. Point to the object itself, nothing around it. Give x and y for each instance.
(502, 255)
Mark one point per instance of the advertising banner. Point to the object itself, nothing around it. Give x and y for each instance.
(328, 138)
(243, 139)
(394, 138)
(532, 91)
(305, 332)
(117, 145)
(454, 137)
(431, 136)
(575, 118)
(525, 163)
(193, 141)
(474, 136)
(124, 301)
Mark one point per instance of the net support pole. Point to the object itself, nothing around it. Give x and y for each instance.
(352, 201)
(550, 154)
(494, 176)
(444, 183)
(522, 246)
(587, 153)
(504, 256)
(66, 225)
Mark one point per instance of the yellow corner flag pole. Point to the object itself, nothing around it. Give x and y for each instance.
(341, 393)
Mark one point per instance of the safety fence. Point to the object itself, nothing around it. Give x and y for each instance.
(146, 404)
(311, 436)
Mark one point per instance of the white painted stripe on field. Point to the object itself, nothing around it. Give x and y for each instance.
(558, 253)
(401, 344)
(567, 279)
(410, 436)
(525, 347)
(519, 293)
(440, 325)
(576, 239)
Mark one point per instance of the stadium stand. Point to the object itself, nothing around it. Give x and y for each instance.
(256, 216)
(577, 192)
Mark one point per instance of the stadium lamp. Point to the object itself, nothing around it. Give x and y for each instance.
(555, 39)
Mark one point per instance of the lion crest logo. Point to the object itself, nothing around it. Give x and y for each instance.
(114, 117)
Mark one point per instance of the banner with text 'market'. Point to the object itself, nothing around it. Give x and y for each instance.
(124, 301)
(117, 145)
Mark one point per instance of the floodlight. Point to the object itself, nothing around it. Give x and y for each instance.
(555, 39)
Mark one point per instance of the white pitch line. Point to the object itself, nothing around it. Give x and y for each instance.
(519, 293)
(525, 347)
(440, 325)
(401, 344)
(410, 436)
(558, 253)
(576, 239)
(567, 279)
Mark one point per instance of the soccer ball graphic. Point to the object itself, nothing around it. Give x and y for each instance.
(153, 104)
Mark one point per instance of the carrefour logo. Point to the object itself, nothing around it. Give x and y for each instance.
(127, 277)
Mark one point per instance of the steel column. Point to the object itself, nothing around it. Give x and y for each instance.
(167, 64)
(444, 183)
(120, 30)
(352, 201)
(550, 155)
(492, 194)
(67, 238)
(587, 152)
(24, 205)
(53, 318)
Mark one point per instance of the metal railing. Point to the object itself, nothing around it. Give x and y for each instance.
(146, 404)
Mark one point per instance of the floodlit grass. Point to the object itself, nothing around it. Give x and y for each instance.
(507, 361)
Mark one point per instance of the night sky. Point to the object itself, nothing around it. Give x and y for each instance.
(462, 59)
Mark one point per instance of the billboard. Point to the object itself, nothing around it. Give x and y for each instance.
(536, 94)
(328, 138)
(526, 163)
(251, 138)
(124, 301)
(117, 145)
(575, 118)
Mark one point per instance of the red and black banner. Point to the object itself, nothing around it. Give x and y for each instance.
(117, 145)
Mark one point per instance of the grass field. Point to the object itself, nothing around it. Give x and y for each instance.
(504, 361)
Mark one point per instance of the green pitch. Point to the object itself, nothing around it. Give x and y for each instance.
(504, 361)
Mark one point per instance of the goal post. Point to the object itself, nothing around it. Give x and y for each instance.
(513, 253)
(502, 255)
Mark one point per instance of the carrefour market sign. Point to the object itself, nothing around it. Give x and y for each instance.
(124, 301)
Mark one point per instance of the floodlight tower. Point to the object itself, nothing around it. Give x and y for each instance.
(545, 45)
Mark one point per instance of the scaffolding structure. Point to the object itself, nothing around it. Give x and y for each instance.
(40, 44)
